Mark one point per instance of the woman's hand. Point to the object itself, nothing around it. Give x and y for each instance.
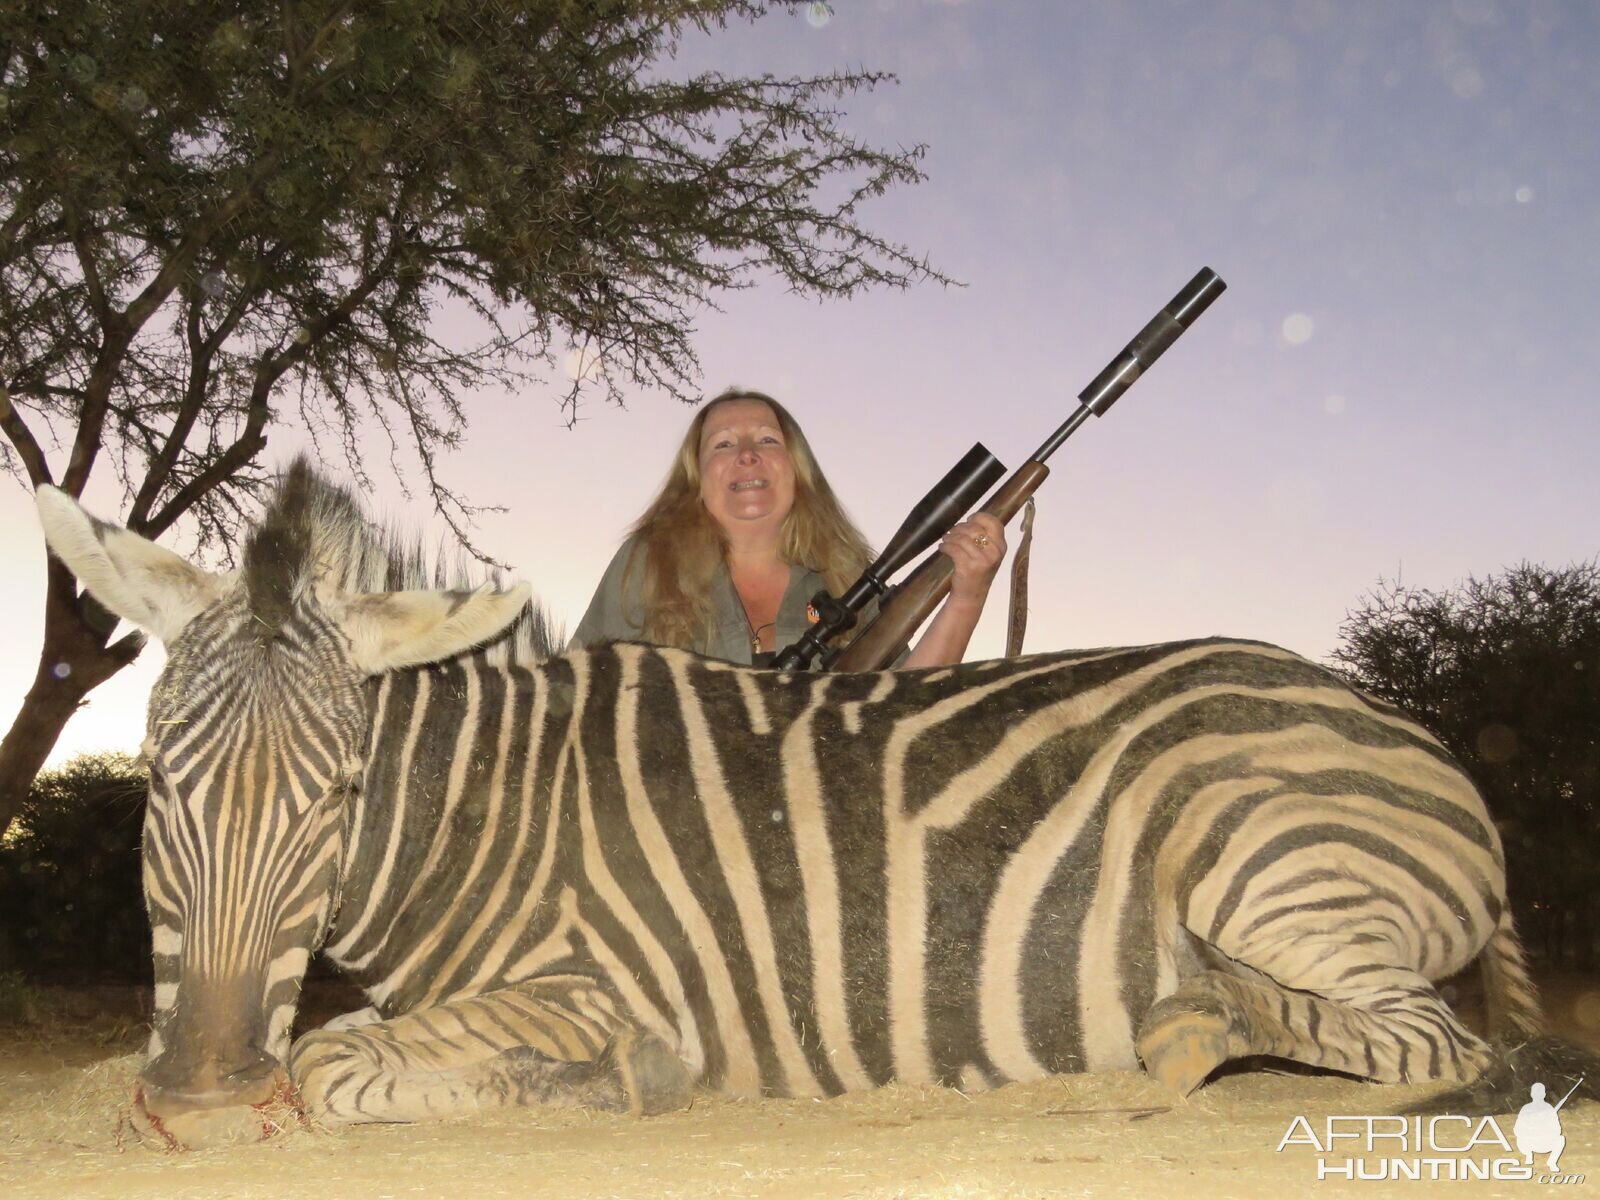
(976, 546)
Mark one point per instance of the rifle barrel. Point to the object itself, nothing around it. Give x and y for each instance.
(1570, 1090)
(1149, 344)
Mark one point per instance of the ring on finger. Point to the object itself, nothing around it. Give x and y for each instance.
(981, 539)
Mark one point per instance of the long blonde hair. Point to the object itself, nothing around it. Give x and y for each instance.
(679, 547)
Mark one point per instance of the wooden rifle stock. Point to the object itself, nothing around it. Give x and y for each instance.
(910, 603)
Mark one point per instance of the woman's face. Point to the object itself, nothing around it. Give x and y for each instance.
(746, 474)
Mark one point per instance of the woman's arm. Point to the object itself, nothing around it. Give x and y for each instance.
(976, 546)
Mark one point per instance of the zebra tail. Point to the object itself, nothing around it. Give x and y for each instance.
(1514, 1012)
(1524, 1054)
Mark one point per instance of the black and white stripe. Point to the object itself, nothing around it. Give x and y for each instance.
(246, 807)
(813, 884)
(608, 876)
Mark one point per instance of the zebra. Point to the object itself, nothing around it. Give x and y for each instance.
(618, 876)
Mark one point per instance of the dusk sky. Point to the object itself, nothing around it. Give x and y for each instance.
(1404, 199)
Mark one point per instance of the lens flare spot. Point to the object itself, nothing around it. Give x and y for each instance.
(1464, 78)
(1524, 194)
(1333, 405)
(818, 14)
(1497, 743)
(1241, 181)
(1297, 329)
(1475, 12)
(61, 670)
(1586, 1010)
(585, 365)
(1274, 58)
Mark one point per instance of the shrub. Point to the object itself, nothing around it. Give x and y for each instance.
(69, 875)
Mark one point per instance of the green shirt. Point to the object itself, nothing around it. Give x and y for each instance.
(617, 611)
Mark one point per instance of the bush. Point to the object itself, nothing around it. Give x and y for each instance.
(69, 875)
(1506, 671)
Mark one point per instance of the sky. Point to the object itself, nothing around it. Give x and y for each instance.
(1398, 384)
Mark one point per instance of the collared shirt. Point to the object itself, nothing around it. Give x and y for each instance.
(617, 611)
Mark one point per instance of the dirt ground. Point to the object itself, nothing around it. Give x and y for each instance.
(66, 1077)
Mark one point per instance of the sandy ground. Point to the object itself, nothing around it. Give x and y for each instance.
(66, 1079)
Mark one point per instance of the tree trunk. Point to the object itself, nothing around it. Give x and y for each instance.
(74, 660)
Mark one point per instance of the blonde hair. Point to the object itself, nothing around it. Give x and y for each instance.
(679, 547)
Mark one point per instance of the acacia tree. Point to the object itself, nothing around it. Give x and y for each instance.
(1506, 672)
(220, 217)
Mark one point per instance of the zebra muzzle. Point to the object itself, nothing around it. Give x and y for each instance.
(251, 1104)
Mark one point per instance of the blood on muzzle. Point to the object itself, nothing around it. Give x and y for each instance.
(214, 1081)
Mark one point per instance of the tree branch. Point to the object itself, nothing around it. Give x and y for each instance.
(202, 353)
(20, 436)
(87, 263)
(269, 370)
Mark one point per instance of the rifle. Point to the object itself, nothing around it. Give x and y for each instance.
(1568, 1096)
(909, 604)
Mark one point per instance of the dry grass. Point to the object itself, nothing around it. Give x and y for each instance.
(1108, 1135)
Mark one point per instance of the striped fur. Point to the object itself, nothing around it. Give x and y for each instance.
(607, 877)
(814, 884)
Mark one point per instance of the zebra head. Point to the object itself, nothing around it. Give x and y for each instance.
(256, 733)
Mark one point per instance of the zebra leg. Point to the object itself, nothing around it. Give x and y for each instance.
(1393, 1027)
(545, 1041)
(353, 1020)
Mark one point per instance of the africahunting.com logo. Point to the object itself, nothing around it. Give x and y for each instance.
(1439, 1147)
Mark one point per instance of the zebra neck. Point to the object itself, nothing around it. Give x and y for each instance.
(456, 800)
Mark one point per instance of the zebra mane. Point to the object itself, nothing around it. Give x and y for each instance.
(313, 529)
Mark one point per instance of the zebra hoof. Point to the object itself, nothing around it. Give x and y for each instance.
(655, 1077)
(1181, 1044)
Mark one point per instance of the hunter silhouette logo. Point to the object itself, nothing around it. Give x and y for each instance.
(1439, 1147)
(1538, 1127)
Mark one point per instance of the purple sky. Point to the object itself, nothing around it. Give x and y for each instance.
(1403, 198)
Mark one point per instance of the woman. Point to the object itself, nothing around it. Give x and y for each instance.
(744, 532)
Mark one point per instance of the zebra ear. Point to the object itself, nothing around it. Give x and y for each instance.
(136, 579)
(388, 630)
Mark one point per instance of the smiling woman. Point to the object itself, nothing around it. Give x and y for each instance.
(744, 531)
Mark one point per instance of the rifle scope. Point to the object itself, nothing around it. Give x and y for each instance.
(945, 504)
